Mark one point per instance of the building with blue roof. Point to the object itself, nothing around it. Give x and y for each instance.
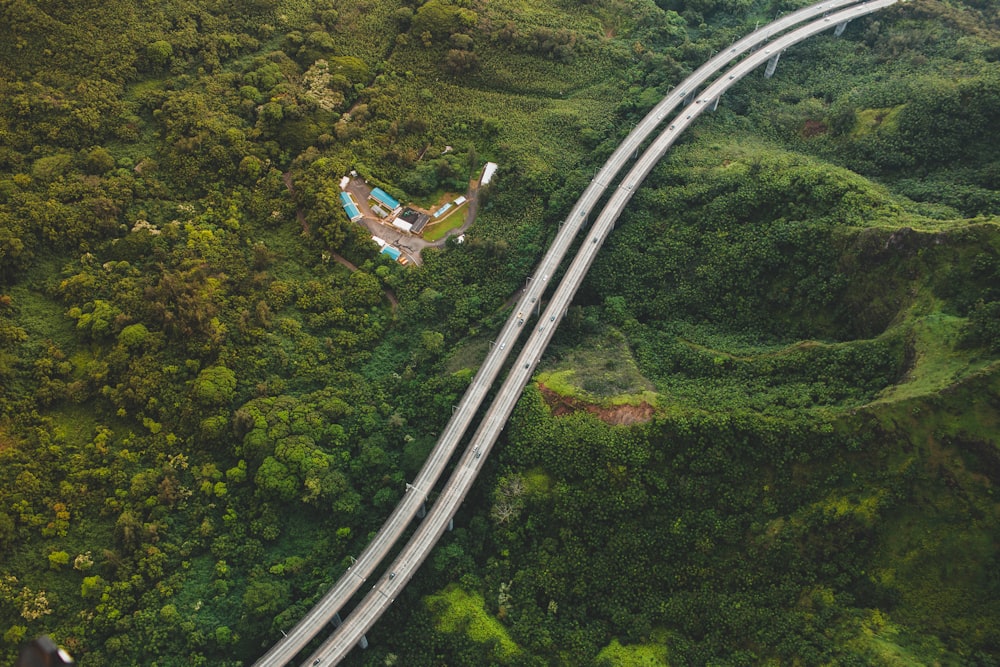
(352, 212)
(382, 197)
(350, 208)
(392, 252)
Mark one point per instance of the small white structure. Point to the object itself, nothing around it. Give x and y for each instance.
(488, 172)
(460, 239)
(344, 181)
(381, 242)
(461, 200)
(441, 211)
(402, 224)
(377, 210)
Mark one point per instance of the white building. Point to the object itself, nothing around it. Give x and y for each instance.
(488, 172)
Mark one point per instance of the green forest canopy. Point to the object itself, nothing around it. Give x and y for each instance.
(202, 417)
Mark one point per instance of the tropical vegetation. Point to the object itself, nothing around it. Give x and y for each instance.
(766, 432)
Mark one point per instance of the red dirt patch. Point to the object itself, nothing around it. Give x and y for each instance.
(616, 415)
(814, 128)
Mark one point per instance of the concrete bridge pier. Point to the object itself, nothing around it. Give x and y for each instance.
(451, 524)
(715, 104)
(422, 512)
(363, 644)
(336, 620)
(839, 30)
(772, 65)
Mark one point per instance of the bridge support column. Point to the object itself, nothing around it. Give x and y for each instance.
(772, 65)
(451, 525)
(839, 30)
(336, 620)
(715, 104)
(422, 512)
(363, 644)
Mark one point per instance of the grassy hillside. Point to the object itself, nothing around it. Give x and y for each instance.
(807, 284)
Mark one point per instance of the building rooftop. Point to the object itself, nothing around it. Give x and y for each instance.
(441, 211)
(352, 211)
(381, 196)
(421, 222)
(488, 171)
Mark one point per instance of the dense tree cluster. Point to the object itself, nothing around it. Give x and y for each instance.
(203, 415)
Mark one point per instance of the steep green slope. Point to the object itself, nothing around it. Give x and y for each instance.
(816, 484)
(818, 501)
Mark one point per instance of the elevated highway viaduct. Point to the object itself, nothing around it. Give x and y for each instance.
(412, 504)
